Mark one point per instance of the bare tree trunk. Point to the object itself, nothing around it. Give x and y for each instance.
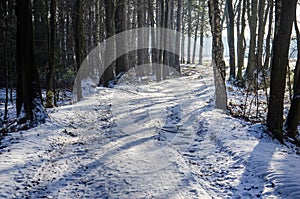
(196, 37)
(120, 26)
(241, 39)
(189, 11)
(202, 33)
(50, 76)
(141, 35)
(230, 38)
(108, 74)
(183, 37)
(252, 64)
(172, 44)
(268, 39)
(28, 90)
(261, 31)
(166, 57)
(6, 55)
(285, 11)
(178, 28)
(154, 52)
(218, 60)
(293, 117)
(79, 44)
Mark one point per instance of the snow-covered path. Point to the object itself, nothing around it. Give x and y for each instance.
(159, 140)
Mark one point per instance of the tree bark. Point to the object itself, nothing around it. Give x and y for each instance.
(293, 117)
(120, 26)
(230, 38)
(261, 31)
(50, 76)
(28, 88)
(217, 59)
(141, 36)
(196, 37)
(79, 44)
(189, 11)
(241, 39)
(166, 57)
(177, 42)
(108, 74)
(268, 39)
(252, 64)
(202, 24)
(285, 11)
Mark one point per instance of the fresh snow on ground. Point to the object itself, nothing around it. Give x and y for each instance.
(154, 140)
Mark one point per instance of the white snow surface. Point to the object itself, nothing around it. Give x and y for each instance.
(157, 140)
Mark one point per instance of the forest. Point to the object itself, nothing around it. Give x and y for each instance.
(61, 54)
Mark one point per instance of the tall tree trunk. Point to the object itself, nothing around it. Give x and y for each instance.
(132, 57)
(166, 57)
(108, 74)
(161, 17)
(79, 44)
(183, 36)
(177, 42)
(4, 11)
(261, 31)
(217, 59)
(141, 36)
(50, 75)
(230, 38)
(189, 11)
(285, 11)
(268, 39)
(28, 88)
(172, 44)
(154, 52)
(120, 26)
(196, 37)
(293, 117)
(241, 46)
(252, 64)
(202, 24)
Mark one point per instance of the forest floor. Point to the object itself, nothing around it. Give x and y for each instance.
(151, 140)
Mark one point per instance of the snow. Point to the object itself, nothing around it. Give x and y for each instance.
(148, 140)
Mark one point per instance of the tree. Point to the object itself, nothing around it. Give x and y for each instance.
(120, 26)
(141, 18)
(79, 43)
(230, 38)
(178, 28)
(262, 19)
(189, 18)
(108, 74)
(284, 17)
(252, 16)
(202, 25)
(241, 46)
(268, 39)
(196, 34)
(217, 59)
(293, 117)
(50, 76)
(165, 41)
(28, 88)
